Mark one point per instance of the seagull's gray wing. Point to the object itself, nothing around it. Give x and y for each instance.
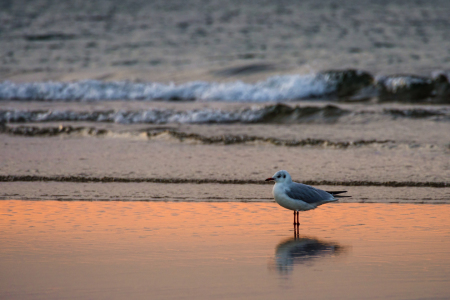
(307, 193)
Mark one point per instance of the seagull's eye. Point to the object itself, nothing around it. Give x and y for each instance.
(278, 176)
(284, 176)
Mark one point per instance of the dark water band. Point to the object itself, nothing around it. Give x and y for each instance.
(108, 179)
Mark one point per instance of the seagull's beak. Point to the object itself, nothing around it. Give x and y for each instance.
(269, 179)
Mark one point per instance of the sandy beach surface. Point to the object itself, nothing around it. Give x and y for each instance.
(180, 250)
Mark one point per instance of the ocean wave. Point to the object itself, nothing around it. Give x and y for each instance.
(276, 88)
(266, 114)
(327, 84)
(333, 84)
(278, 113)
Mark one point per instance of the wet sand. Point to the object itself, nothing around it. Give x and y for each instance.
(205, 192)
(198, 250)
(365, 145)
(169, 158)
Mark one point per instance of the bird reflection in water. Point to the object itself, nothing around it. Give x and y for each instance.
(303, 250)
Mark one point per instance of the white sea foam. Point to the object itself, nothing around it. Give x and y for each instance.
(153, 116)
(265, 113)
(395, 83)
(277, 88)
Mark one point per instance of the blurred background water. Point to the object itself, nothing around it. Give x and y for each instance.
(196, 39)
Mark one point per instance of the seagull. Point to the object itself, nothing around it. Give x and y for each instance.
(298, 196)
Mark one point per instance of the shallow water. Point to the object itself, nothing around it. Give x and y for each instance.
(205, 192)
(179, 250)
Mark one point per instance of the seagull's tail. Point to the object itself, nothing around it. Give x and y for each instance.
(336, 194)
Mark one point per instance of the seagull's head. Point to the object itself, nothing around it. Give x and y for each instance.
(280, 176)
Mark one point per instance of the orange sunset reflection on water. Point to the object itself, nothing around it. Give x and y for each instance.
(204, 249)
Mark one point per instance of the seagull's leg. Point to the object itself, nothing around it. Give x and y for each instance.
(296, 226)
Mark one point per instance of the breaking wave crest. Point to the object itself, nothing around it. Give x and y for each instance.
(333, 84)
(276, 88)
